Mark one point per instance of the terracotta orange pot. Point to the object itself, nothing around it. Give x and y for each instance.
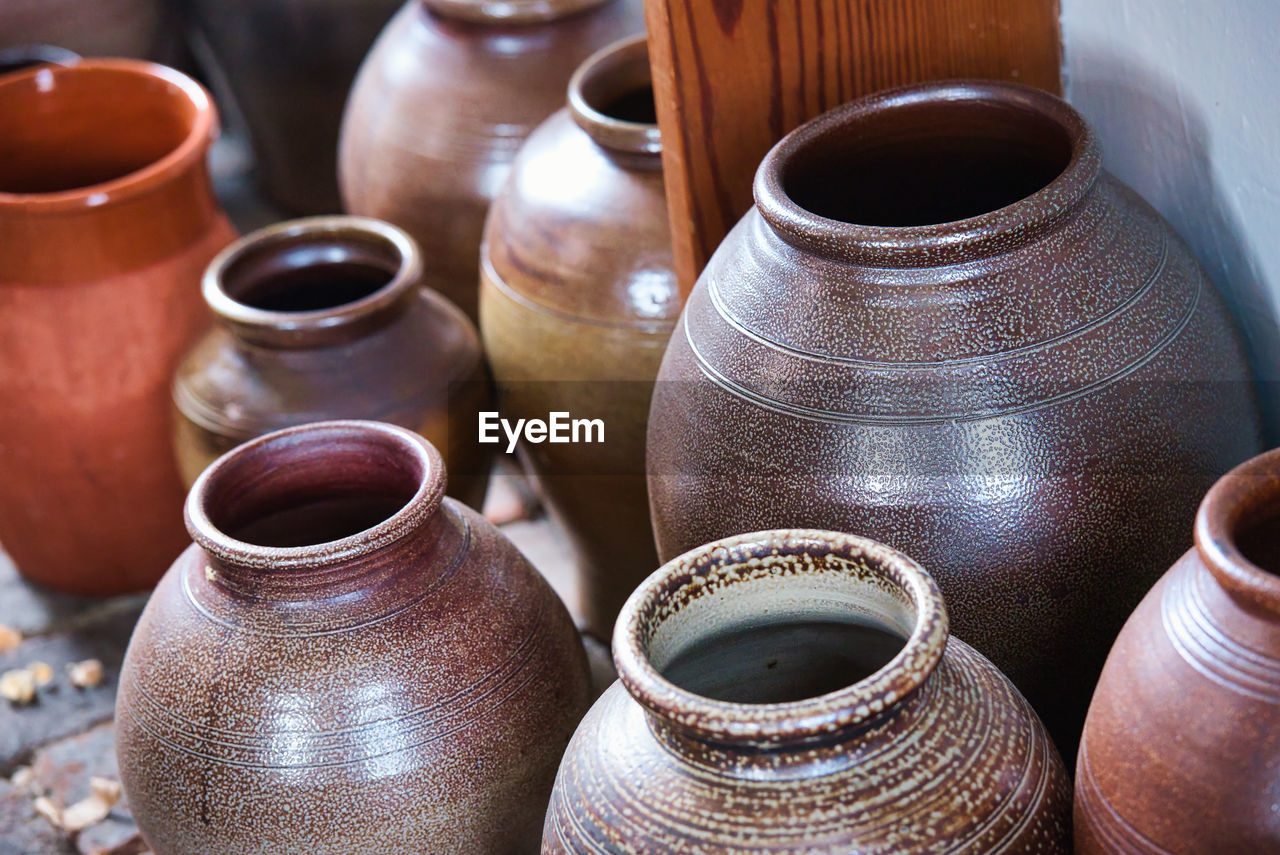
(108, 219)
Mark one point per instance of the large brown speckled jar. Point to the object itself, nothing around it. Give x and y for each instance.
(798, 692)
(443, 101)
(946, 327)
(578, 297)
(345, 661)
(1181, 750)
(326, 318)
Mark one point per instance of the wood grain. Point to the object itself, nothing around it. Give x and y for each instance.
(731, 77)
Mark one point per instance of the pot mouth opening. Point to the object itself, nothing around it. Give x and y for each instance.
(1238, 530)
(315, 495)
(96, 131)
(940, 171)
(780, 636)
(611, 98)
(514, 12)
(313, 274)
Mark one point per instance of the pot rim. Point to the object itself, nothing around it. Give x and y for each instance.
(514, 12)
(988, 233)
(725, 722)
(202, 132)
(297, 443)
(616, 67)
(1251, 487)
(404, 281)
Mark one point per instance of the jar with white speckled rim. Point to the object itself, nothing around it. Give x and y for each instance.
(798, 691)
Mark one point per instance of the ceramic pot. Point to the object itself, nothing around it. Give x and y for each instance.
(578, 297)
(21, 57)
(945, 326)
(345, 661)
(108, 219)
(289, 65)
(325, 318)
(1179, 751)
(795, 691)
(442, 103)
(90, 27)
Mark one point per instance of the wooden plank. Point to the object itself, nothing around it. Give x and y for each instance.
(731, 77)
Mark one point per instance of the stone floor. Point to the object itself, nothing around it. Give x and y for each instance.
(53, 747)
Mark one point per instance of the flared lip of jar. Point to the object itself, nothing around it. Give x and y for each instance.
(514, 12)
(989, 233)
(615, 67)
(766, 725)
(407, 277)
(1248, 488)
(202, 132)
(292, 446)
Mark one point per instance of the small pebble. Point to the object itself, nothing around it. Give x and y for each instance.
(41, 673)
(9, 639)
(18, 686)
(86, 674)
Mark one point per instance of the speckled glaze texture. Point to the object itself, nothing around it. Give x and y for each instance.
(1028, 398)
(290, 65)
(405, 689)
(934, 752)
(442, 103)
(107, 218)
(578, 298)
(400, 354)
(1181, 750)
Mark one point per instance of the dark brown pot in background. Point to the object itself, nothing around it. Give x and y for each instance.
(325, 318)
(108, 219)
(345, 661)
(577, 301)
(1028, 396)
(1180, 750)
(129, 28)
(444, 100)
(290, 64)
(795, 691)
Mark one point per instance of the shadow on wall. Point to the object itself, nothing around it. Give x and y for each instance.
(1156, 142)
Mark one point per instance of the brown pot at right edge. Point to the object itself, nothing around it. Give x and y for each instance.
(1181, 750)
(943, 325)
(107, 220)
(443, 101)
(578, 297)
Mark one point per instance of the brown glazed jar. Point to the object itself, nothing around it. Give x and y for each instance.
(946, 327)
(290, 65)
(107, 219)
(795, 691)
(125, 28)
(325, 318)
(345, 661)
(1180, 751)
(443, 101)
(578, 298)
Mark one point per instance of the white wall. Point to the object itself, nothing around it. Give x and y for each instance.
(1186, 97)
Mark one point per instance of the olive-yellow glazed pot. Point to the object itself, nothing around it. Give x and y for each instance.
(578, 297)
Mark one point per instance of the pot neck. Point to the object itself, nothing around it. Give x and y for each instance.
(929, 175)
(611, 98)
(104, 171)
(261, 513)
(1237, 533)
(510, 12)
(777, 580)
(313, 282)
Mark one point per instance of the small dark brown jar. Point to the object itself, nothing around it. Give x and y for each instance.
(345, 661)
(946, 327)
(1181, 750)
(441, 105)
(578, 297)
(326, 318)
(796, 691)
